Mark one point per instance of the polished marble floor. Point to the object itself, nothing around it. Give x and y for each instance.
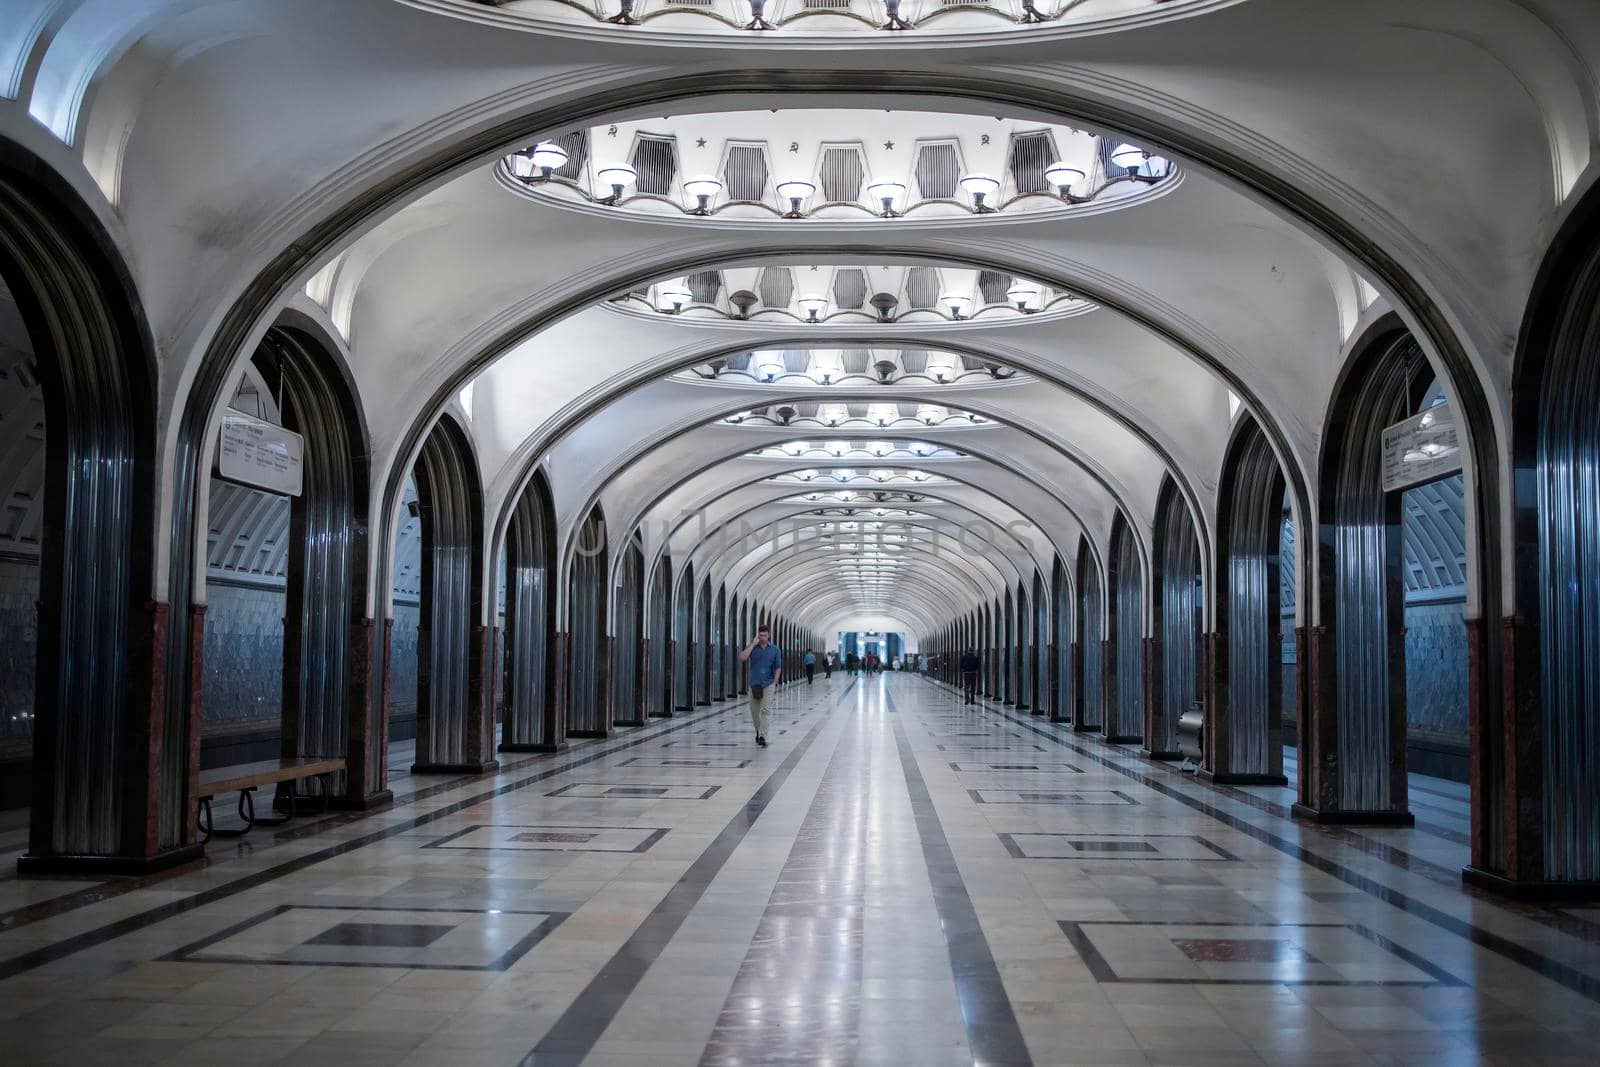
(897, 879)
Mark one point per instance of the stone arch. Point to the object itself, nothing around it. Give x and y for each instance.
(1352, 749)
(1089, 656)
(1550, 830)
(588, 648)
(310, 548)
(628, 650)
(1124, 672)
(455, 720)
(659, 647)
(1244, 716)
(101, 739)
(1177, 607)
(528, 675)
(1063, 678)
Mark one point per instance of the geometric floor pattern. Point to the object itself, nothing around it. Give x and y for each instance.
(897, 879)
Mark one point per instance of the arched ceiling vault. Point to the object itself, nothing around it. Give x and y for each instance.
(694, 496)
(1332, 120)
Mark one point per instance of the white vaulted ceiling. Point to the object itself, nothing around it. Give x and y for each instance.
(1332, 163)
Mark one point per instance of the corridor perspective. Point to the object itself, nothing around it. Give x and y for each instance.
(800, 532)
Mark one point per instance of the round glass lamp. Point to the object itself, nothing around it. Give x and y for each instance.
(980, 187)
(703, 188)
(887, 192)
(1063, 177)
(795, 190)
(618, 176)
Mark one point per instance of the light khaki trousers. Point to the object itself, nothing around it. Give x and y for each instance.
(758, 711)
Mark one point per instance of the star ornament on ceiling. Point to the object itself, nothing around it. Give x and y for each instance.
(888, 146)
(699, 142)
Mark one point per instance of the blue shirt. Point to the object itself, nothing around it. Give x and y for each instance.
(764, 664)
(811, 659)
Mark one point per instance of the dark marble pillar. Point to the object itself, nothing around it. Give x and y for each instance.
(1319, 749)
(1519, 868)
(132, 821)
(481, 690)
(1155, 705)
(555, 730)
(1058, 708)
(667, 687)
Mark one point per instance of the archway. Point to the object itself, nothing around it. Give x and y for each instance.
(660, 657)
(1063, 677)
(1043, 649)
(1352, 751)
(1550, 831)
(1178, 604)
(628, 650)
(682, 641)
(530, 722)
(1124, 678)
(455, 717)
(287, 645)
(1088, 651)
(1244, 724)
(100, 738)
(589, 651)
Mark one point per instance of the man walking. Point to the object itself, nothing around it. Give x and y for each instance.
(766, 669)
(811, 666)
(827, 666)
(969, 674)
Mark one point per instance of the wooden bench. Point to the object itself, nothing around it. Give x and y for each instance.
(247, 777)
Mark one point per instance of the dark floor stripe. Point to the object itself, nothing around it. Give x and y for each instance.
(797, 995)
(1561, 973)
(586, 1018)
(993, 1035)
(89, 938)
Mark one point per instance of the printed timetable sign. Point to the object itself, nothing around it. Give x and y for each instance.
(256, 453)
(1421, 448)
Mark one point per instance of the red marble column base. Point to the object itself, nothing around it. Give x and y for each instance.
(365, 784)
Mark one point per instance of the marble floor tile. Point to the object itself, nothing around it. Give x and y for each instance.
(898, 879)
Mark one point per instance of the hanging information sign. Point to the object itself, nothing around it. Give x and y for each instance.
(1421, 448)
(256, 453)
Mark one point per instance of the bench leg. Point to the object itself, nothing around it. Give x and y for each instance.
(247, 814)
(288, 811)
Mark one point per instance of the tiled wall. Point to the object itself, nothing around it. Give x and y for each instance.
(1436, 669)
(243, 656)
(244, 661)
(403, 671)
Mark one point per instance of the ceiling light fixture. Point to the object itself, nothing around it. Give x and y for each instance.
(673, 298)
(887, 191)
(1064, 176)
(619, 176)
(1139, 164)
(812, 305)
(891, 11)
(544, 157)
(1023, 295)
(703, 188)
(980, 186)
(625, 16)
(957, 304)
(795, 190)
(758, 11)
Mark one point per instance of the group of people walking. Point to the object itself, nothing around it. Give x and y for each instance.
(765, 663)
